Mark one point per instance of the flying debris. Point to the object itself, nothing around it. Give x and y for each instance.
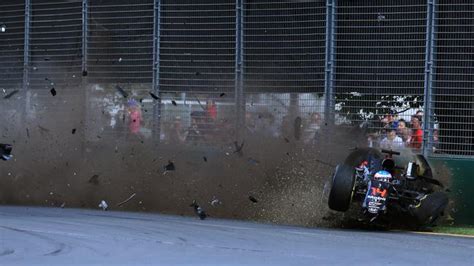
(174, 103)
(198, 210)
(215, 201)
(5, 151)
(127, 200)
(103, 205)
(53, 92)
(222, 95)
(73, 131)
(238, 148)
(10, 94)
(170, 166)
(154, 96)
(252, 199)
(94, 179)
(121, 91)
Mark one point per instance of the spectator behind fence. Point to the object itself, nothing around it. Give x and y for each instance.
(392, 141)
(416, 138)
(402, 130)
(176, 132)
(435, 140)
(198, 123)
(211, 109)
(389, 121)
(134, 116)
(313, 126)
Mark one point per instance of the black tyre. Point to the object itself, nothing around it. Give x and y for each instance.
(340, 195)
(342, 188)
(431, 208)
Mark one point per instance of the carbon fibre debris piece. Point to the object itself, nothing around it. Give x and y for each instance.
(8, 96)
(121, 91)
(170, 166)
(154, 96)
(5, 152)
(198, 210)
(94, 180)
(253, 199)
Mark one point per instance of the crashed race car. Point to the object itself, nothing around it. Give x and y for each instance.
(384, 191)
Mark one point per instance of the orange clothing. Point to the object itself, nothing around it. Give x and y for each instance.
(135, 120)
(416, 139)
(212, 111)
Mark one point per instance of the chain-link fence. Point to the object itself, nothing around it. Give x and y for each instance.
(207, 72)
(380, 65)
(452, 97)
(12, 28)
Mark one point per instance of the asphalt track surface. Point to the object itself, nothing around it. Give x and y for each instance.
(54, 236)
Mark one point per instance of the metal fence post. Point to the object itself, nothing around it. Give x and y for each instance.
(329, 61)
(156, 66)
(84, 37)
(26, 48)
(428, 124)
(239, 57)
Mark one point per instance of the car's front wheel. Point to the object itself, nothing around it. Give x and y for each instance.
(340, 195)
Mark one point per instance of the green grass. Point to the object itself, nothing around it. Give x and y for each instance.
(455, 230)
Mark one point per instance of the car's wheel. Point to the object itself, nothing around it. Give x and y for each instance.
(342, 187)
(431, 208)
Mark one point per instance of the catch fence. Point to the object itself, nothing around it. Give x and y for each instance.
(224, 69)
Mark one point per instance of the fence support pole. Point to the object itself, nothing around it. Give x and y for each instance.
(84, 37)
(26, 47)
(239, 57)
(156, 68)
(428, 124)
(329, 62)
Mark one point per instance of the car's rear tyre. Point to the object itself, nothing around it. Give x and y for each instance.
(431, 208)
(342, 187)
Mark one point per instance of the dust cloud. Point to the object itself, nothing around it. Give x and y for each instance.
(59, 163)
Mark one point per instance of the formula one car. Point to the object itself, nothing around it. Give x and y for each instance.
(383, 190)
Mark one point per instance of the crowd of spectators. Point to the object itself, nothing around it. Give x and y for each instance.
(398, 133)
(206, 125)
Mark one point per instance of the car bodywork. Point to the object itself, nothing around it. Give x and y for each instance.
(383, 188)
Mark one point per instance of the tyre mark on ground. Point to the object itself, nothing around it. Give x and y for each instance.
(61, 247)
